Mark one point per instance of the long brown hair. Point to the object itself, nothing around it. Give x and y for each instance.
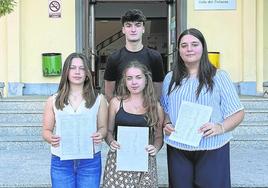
(64, 87)
(206, 70)
(150, 99)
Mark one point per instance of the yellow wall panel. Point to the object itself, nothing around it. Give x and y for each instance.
(222, 30)
(265, 31)
(41, 34)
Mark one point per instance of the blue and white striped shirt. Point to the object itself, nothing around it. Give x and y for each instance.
(223, 99)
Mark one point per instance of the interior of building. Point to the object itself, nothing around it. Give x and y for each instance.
(107, 31)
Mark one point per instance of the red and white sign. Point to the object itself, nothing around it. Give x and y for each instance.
(54, 8)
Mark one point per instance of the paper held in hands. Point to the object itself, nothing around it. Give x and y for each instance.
(191, 117)
(75, 132)
(132, 155)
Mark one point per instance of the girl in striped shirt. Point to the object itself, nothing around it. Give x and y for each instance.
(195, 79)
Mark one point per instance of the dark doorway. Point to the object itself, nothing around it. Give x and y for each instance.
(101, 30)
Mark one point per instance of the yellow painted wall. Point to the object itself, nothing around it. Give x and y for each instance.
(10, 48)
(28, 32)
(3, 49)
(249, 38)
(265, 22)
(13, 46)
(222, 30)
(40, 34)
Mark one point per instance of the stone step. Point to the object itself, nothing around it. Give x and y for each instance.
(31, 117)
(256, 116)
(36, 117)
(22, 142)
(250, 138)
(30, 168)
(38, 102)
(20, 129)
(24, 135)
(249, 164)
(34, 129)
(25, 169)
(250, 130)
(254, 123)
(22, 111)
(36, 140)
(23, 103)
(30, 109)
(255, 103)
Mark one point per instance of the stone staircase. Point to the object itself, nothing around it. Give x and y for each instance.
(25, 157)
(249, 147)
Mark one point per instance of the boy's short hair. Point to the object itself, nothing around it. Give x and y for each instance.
(133, 15)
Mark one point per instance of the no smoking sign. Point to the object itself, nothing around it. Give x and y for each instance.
(54, 8)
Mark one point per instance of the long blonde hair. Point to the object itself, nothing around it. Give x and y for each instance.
(150, 99)
(64, 86)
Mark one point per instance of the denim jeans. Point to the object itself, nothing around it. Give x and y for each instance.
(80, 173)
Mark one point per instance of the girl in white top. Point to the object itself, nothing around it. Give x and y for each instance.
(75, 98)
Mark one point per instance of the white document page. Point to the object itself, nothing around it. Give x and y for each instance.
(191, 117)
(132, 155)
(75, 132)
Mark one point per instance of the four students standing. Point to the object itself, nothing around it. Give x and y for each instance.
(133, 80)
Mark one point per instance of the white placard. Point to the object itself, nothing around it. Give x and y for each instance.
(215, 4)
(132, 155)
(191, 117)
(75, 137)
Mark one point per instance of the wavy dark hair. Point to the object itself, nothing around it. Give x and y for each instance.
(206, 70)
(134, 15)
(150, 99)
(64, 87)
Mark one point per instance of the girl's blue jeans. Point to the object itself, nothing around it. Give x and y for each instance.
(80, 173)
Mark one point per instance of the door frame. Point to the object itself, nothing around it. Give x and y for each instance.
(85, 23)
